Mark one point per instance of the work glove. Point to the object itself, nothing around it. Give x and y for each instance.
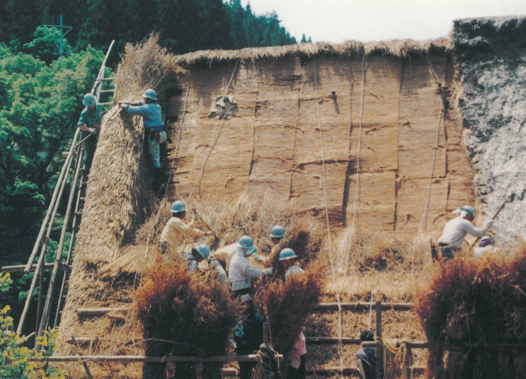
(197, 215)
(93, 130)
(208, 233)
(269, 271)
(489, 224)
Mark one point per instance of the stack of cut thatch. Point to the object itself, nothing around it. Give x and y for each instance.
(183, 314)
(474, 307)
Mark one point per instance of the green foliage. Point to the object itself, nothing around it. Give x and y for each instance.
(46, 44)
(18, 361)
(39, 105)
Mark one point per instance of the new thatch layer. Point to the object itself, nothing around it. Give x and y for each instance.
(476, 302)
(398, 48)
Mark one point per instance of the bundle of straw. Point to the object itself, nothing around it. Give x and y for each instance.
(183, 314)
(289, 304)
(476, 302)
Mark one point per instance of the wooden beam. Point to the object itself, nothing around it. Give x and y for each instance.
(360, 306)
(97, 312)
(143, 358)
(332, 340)
(349, 371)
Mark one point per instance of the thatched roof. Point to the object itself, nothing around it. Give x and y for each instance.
(400, 48)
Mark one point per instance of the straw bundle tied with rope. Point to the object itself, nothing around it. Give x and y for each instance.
(288, 305)
(476, 302)
(183, 314)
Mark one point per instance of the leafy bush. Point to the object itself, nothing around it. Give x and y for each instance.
(18, 361)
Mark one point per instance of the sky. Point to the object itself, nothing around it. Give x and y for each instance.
(379, 20)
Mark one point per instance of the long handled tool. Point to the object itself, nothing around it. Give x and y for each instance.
(207, 226)
(493, 218)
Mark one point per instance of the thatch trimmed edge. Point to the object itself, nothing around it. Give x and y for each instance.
(398, 48)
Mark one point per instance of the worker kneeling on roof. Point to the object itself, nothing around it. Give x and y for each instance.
(485, 247)
(456, 230)
(151, 113)
(175, 228)
(241, 271)
(221, 259)
(199, 253)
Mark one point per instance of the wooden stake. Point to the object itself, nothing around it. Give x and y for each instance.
(80, 355)
(379, 346)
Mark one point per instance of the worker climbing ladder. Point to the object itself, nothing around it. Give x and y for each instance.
(72, 176)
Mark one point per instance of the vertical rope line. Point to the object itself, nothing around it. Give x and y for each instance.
(357, 188)
(201, 172)
(329, 241)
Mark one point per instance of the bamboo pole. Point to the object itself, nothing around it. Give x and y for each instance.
(21, 268)
(51, 288)
(86, 368)
(379, 346)
(52, 205)
(493, 218)
(359, 306)
(150, 359)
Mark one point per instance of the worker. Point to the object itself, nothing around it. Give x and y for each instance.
(287, 258)
(485, 246)
(89, 124)
(220, 261)
(176, 227)
(248, 335)
(199, 253)
(154, 127)
(276, 236)
(241, 271)
(297, 357)
(456, 230)
(366, 357)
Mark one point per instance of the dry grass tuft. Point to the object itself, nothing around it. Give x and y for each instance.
(289, 304)
(471, 301)
(183, 314)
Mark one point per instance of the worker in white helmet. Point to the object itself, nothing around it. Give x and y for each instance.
(153, 122)
(456, 230)
(241, 271)
(89, 123)
(199, 254)
(175, 228)
(297, 357)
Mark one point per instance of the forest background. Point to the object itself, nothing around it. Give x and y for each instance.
(41, 90)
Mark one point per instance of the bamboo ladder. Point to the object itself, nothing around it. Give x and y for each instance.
(71, 172)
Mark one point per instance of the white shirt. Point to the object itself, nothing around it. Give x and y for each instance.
(241, 272)
(226, 253)
(455, 231)
(174, 230)
(480, 251)
(294, 270)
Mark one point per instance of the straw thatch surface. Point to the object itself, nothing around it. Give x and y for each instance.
(273, 142)
(398, 48)
(470, 301)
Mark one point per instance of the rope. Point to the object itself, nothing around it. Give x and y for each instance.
(340, 331)
(267, 362)
(201, 172)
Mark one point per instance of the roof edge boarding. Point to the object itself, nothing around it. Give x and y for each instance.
(398, 48)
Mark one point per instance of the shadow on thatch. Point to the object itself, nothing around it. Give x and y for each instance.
(476, 302)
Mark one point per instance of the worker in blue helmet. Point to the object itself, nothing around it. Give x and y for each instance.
(199, 253)
(276, 236)
(456, 230)
(175, 228)
(151, 113)
(287, 259)
(89, 123)
(241, 271)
